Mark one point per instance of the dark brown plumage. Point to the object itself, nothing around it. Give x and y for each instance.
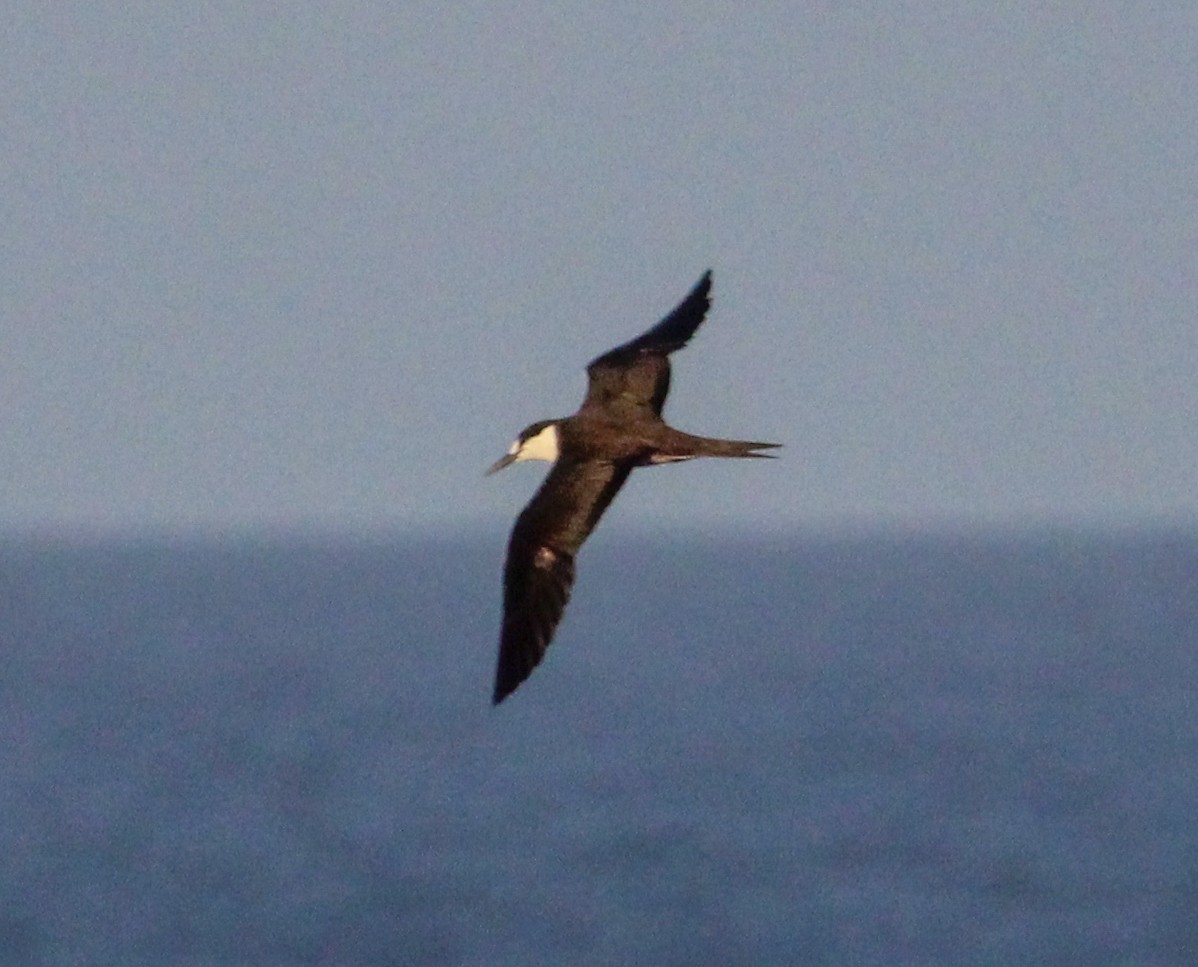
(636, 375)
(617, 428)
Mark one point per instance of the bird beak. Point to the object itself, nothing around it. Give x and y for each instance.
(505, 460)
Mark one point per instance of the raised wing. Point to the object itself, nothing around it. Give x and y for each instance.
(539, 573)
(636, 375)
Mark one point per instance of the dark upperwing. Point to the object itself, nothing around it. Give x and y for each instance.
(636, 375)
(539, 573)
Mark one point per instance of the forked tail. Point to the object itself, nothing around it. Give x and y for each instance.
(684, 446)
(734, 448)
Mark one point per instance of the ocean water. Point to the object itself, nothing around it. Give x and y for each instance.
(890, 750)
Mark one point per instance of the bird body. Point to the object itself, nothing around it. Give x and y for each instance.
(618, 428)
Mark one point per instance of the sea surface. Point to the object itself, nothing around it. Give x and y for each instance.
(803, 750)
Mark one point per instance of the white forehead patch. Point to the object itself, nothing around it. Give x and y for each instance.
(543, 446)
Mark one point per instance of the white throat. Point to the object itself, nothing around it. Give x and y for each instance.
(543, 446)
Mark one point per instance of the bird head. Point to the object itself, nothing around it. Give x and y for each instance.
(536, 442)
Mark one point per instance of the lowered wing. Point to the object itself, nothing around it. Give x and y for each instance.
(539, 573)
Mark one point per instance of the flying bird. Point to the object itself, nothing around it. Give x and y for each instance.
(618, 427)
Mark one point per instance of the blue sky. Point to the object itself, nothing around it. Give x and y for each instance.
(275, 268)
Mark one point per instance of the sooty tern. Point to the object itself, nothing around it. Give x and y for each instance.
(618, 427)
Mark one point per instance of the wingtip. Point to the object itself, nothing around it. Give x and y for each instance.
(503, 689)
